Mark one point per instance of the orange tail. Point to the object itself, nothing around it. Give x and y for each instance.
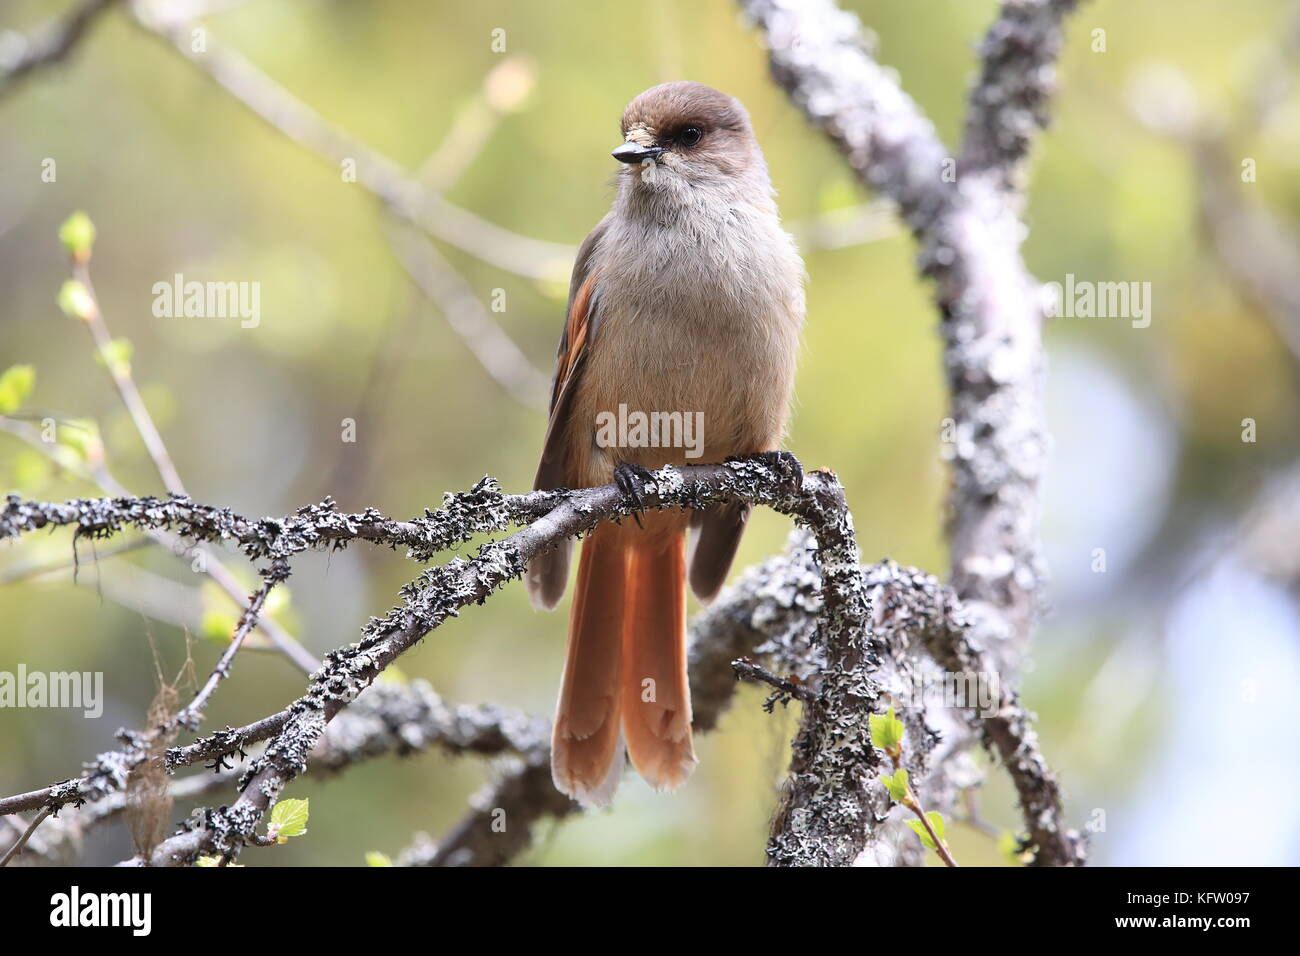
(625, 676)
(586, 742)
(656, 695)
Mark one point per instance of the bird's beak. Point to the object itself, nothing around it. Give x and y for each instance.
(631, 152)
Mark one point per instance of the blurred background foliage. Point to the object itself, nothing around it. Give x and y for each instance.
(1153, 679)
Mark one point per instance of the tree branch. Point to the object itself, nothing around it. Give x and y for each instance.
(1009, 102)
(440, 592)
(968, 228)
(427, 602)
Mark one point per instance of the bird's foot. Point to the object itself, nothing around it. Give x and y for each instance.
(631, 480)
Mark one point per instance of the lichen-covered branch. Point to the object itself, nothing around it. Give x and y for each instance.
(965, 217)
(393, 718)
(438, 594)
(965, 213)
(389, 718)
(97, 473)
(1008, 104)
(827, 810)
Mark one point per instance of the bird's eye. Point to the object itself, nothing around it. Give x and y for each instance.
(690, 135)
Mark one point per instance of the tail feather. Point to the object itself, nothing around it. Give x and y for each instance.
(656, 694)
(625, 682)
(587, 741)
(547, 576)
(715, 538)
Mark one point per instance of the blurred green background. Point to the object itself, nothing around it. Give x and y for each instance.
(1140, 674)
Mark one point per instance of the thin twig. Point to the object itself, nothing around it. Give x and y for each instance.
(53, 45)
(193, 712)
(404, 195)
(29, 571)
(788, 689)
(96, 473)
(468, 318)
(17, 848)
(123, 381)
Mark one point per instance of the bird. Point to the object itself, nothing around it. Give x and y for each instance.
(686, 305)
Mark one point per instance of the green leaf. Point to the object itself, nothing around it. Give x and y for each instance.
(15, 385)
(288, 819)
(919, 827)
(896, 785)
(886, 731)
(206, 861)
(78, 236)
(116, 357)
(75, 301)
(936, 821)
(375, 858)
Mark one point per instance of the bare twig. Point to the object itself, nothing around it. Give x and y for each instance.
(21, 842)
(192, 713)
(53, 44)
(787, 689)
(28, 571)
(468, 318)
(125, 384)
(96, 473)
(504, 89)
(405, 196)
(120, 374)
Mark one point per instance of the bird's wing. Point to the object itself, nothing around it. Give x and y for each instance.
(582, 317)
(548, 573)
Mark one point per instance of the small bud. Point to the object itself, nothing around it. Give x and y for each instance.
(116, 357)
(78, 236)
(75, 301)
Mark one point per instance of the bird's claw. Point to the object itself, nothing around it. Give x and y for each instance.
(631, 481)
